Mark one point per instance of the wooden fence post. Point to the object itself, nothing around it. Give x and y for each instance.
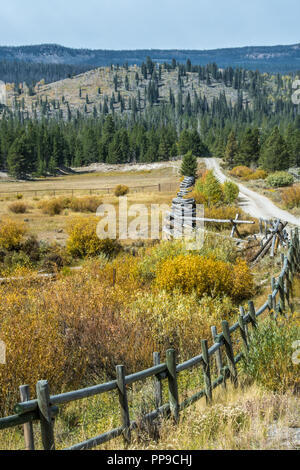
(157, 383)
(229, 352)
(172, 382)
(252, 313)
(287, 281)
(273, 287)
(270, 302)
(120, 372)
(281, 294)
(28, 427)
(43, 399)
(297, 251)
(206, 371)
(291, 266)
(219, 361)
(243, 329)
(290, 278)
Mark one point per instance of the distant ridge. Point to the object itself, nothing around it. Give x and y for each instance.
(278, 58)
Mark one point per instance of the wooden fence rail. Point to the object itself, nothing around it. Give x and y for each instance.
(45, 408)
(166, 187)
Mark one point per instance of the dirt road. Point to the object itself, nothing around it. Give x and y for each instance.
(251, 202)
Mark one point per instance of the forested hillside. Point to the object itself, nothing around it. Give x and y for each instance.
(121, 114)
(279, 58)
(30, 73)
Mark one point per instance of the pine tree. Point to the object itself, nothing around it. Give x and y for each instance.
(189, 165)
(274, 155)
(293, 143)
(163, 150)
(18, 157)
(52, 166)
(249, 148)
(231, 150)
(184, 143)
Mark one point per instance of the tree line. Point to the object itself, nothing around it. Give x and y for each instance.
(265, 132)
(273, 150)
(40, 148)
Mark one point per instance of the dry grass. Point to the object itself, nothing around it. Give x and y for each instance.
(18, 207)
(93, 181)
(246, 418)
(50, 227)
(238, 419)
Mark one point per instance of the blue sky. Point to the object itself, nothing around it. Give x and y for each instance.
(139, 24)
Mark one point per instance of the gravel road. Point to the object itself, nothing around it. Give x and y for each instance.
(251, 202)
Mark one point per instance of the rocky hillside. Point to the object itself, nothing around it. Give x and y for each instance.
(112, 89)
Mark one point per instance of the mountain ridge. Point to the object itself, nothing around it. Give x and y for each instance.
(278, 58)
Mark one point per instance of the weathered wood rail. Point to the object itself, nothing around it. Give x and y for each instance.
(183, 219)
(45, 407)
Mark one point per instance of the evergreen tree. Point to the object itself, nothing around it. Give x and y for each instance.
(231, 150)
(293, 143)
(249, 147)
(274, 155)
(189, 165)
(184, 143)
(18, 157)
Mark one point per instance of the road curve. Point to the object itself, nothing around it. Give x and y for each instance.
(251, 202)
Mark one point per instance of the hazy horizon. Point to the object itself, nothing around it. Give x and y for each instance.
(151, 48)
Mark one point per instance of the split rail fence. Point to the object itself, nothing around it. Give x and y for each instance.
(45, 407)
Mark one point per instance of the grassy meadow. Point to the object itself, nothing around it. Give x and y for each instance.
(51, 228)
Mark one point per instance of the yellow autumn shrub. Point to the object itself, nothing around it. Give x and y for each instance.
(199, 197)
(177, 320)
(230, 212)
(121, 190)
(85, 204)
(203, 275)
(241, 171)
(35, 345)
(84, 241)
(11, 234)
(222, 212)
(52, 206)
(243, 286)
(70, 331)
(257, 175)
(291, 197)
